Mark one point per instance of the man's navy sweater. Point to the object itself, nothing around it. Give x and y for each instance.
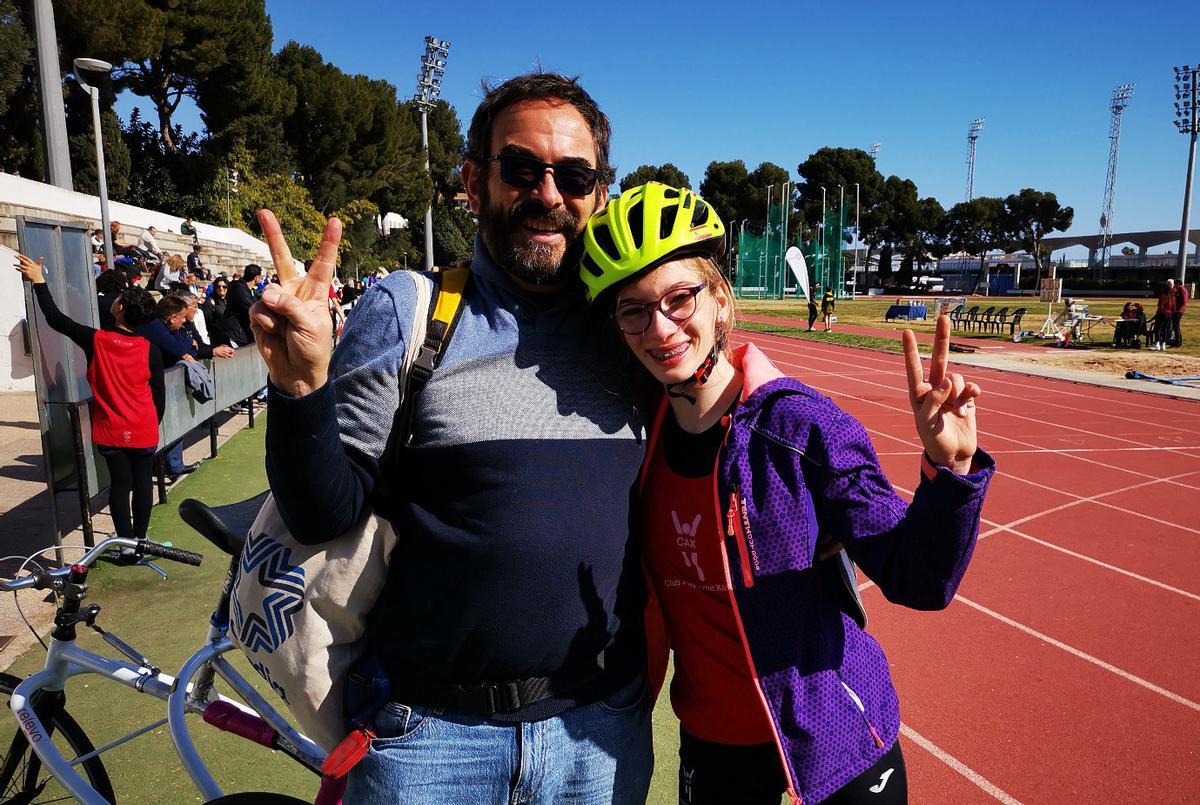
(512, 503)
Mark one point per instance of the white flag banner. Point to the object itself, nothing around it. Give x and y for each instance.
(795, 261)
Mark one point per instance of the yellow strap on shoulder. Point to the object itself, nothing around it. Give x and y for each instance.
(450, 294)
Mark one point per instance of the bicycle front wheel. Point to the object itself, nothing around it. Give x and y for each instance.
(23, 778)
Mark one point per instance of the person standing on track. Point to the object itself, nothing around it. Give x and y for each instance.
(812, 307)
(125, 373)
(749, 479)
(828, 304)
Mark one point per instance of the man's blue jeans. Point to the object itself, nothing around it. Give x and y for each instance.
(593, 755)
(173, 459)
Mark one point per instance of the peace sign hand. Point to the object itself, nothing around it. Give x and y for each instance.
(943, 406)
(291, 323)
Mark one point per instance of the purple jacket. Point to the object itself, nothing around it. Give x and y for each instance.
(796, 469)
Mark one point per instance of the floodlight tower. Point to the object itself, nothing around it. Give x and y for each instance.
(1187, 109)
(874, 151)
(973, 132)
(429, 86)
(1120, 99)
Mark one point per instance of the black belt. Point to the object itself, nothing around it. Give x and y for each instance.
(486, 699)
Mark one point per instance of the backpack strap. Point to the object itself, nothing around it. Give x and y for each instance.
(444, 313)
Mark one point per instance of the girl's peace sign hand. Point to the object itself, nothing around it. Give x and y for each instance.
(943, 405)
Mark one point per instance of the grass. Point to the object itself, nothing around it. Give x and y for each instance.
(836, 337)
(167, 620)
(869, 311)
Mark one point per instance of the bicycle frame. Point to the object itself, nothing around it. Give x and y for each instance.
(259, 721)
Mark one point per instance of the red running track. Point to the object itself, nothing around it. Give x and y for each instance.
(1068, 667)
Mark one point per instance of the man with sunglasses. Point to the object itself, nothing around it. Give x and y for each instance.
(510, 625)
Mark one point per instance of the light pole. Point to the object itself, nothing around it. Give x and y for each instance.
(429, 86)
(856, 224)
(821, 261)
(95, 65)
(54, 117)
(766, 245)
(1187, 104)
(786, 200)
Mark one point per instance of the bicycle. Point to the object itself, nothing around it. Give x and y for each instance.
(35, 763)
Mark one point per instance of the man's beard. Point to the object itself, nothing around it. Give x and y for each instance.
(536, 263)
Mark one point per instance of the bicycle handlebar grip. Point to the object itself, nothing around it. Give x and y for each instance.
(174, 554)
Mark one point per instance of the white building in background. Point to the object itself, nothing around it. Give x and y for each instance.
(389, 222)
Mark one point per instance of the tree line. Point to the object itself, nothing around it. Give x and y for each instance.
(310, 140)
(304, 137)
(893, 217)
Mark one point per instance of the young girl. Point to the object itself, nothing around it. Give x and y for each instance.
(751, 481)
(125, 373)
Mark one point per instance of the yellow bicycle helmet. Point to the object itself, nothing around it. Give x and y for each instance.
(643, 227)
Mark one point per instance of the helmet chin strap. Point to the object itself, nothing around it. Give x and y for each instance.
(700, 376)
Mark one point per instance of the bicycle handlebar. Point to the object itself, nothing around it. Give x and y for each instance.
(174, 554)
(42, 580)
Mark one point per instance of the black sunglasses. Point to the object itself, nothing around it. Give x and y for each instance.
(677, 304)
(526, 173)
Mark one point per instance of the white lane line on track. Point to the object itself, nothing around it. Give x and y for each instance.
(1127, 400)
(835, 393)
(1083, 655)
(784, 344)
(995, 411)
(997, 528)
(966, 771)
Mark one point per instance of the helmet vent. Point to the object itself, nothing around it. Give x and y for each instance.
(591, 266)
(668, 222)
(634, 216)
(604, 240)
(699, 214)
(670, 192)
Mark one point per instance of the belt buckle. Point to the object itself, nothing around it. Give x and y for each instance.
(490, 697)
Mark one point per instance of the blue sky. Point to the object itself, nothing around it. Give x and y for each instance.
(689, 83)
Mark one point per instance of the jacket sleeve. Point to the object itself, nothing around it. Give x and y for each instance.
(917, 553)
(323, 449)
(81, 334)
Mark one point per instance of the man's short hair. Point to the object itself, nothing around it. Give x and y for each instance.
(151, 229)
(180, 289)
(138, 306)
(251, 272)
(537, 87)
(168, 306)
(195, 247)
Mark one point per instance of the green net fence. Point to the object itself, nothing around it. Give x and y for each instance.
(761, 272)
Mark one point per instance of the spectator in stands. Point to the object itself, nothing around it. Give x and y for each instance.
(166, 332)
(195, 265)
(147, 243)
(188, 227)
(214, 310)
(205, 348)
(125, 374)
(239, 301)
(350, 293)
(109, 286)
(1181, 300)
(98, 241)
(1164, 317)
(171, 271)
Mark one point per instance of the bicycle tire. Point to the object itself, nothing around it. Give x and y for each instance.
(31, 782)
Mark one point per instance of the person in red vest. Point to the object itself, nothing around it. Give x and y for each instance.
(1181, 301)
(125, 372)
